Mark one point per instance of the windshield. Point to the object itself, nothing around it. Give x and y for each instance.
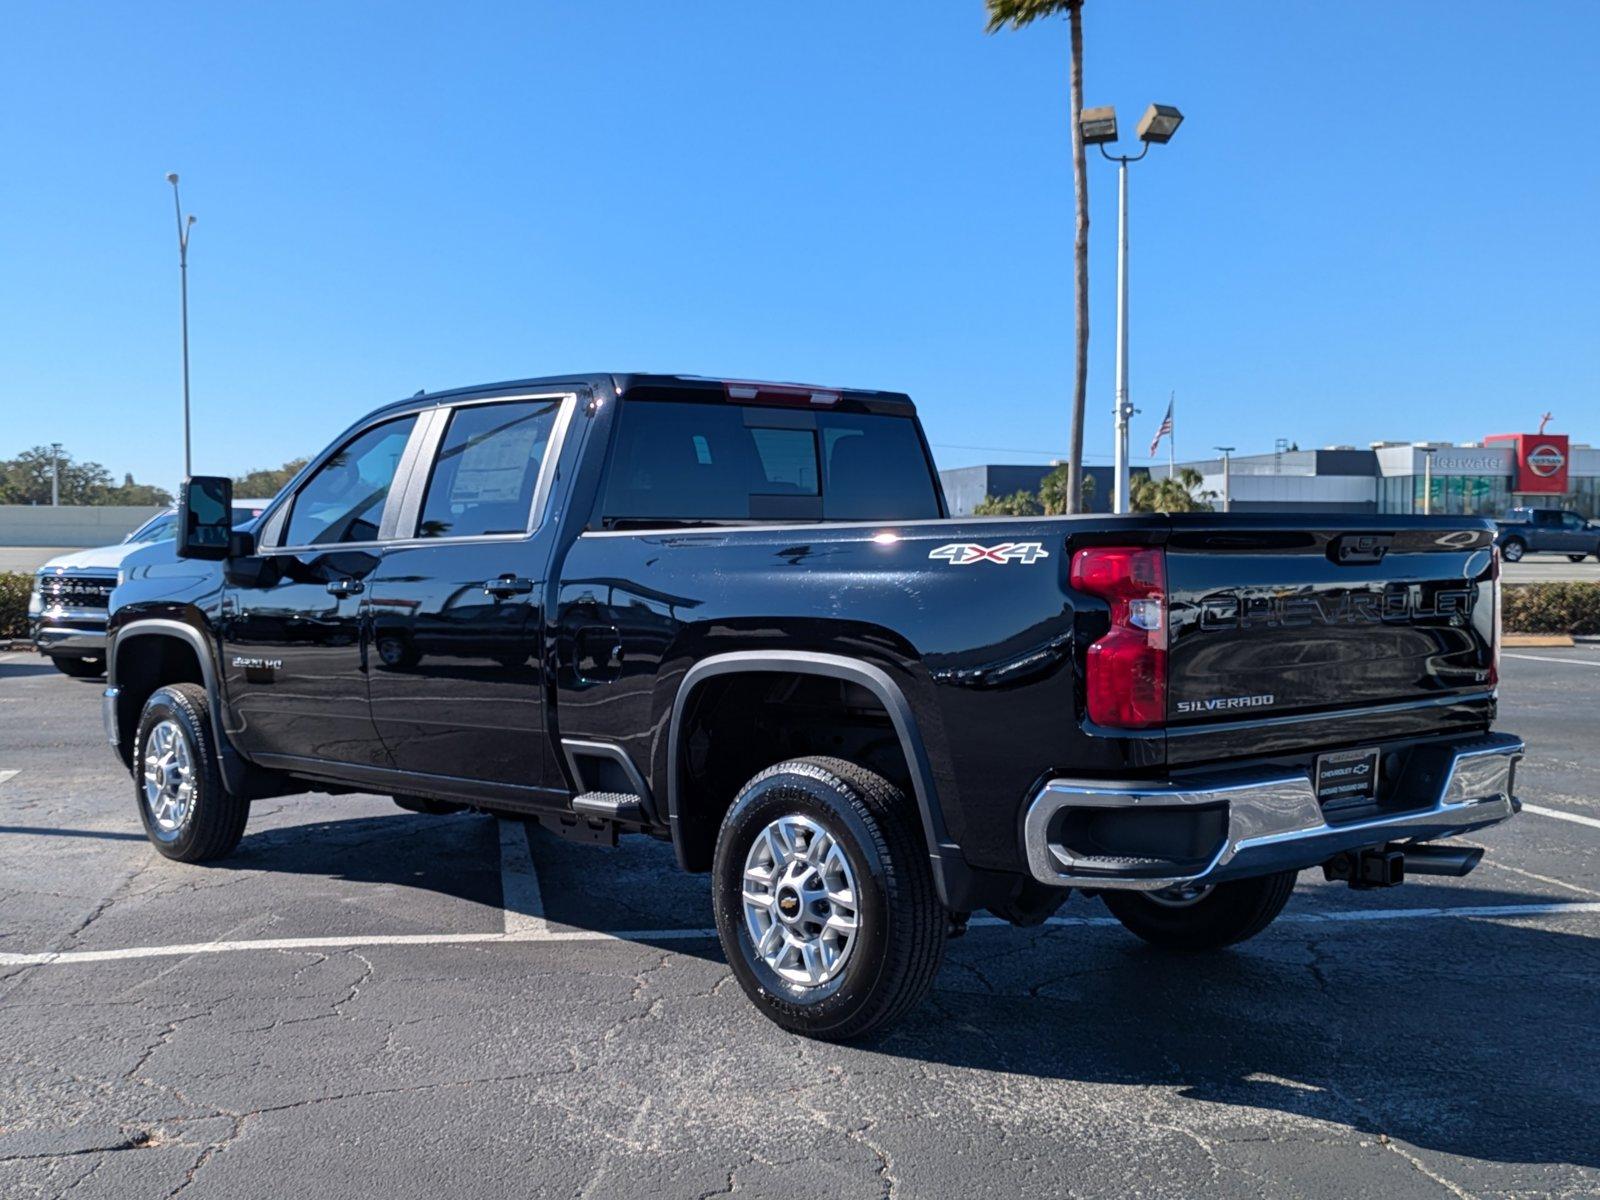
(163, 526)
(156, 529)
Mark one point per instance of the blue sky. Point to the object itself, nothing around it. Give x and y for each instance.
(1378, 221)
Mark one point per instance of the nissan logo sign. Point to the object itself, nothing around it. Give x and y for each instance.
(1546, 461)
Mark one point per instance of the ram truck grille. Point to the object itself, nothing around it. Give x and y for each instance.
(76, 591)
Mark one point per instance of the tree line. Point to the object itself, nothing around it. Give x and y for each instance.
(25, 479)
(1182, 493)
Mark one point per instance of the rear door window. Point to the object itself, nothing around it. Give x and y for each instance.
(686, 462)
(487, 469)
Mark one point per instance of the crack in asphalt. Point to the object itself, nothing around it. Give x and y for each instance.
(139, 1139)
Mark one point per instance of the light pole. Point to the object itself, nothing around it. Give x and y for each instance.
(55, 474)
(1156, 127)
(1227, 477)
(184, 225)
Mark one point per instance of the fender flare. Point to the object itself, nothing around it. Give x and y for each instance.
(233, 769)
(949, 866)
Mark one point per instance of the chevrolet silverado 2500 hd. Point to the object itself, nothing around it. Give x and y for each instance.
(736, 616)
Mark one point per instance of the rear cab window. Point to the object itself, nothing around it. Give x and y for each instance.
(676, 462)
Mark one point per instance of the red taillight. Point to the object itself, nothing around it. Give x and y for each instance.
(1127, 668)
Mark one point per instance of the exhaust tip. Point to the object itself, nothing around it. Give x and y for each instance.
(1450, 861)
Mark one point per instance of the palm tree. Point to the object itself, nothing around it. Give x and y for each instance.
(1017, 13)
(1170, 494)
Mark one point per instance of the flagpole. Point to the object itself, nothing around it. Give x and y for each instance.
(1172, 438)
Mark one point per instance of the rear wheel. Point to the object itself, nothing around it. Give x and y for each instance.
(1512, 549)
(1576, 557)
(79, 668)
(1203, 918)
(825, 899)
(187, 813)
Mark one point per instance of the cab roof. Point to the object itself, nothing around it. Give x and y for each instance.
(651, 386)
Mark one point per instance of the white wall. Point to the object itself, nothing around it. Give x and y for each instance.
(71, 525)
(1448, 460)
(1298, 489)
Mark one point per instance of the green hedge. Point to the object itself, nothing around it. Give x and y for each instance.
(14, 588)
(1552, 608)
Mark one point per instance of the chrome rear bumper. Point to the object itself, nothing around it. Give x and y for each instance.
(1255, 823)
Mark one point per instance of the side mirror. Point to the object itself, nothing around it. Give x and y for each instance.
(205, 517)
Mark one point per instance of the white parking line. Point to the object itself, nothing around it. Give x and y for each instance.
(5, 775)
(1571, 662)
(1577, 908)
(1558, 814)
(519, 883)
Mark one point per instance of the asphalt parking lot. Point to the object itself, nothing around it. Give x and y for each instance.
(367, 1002)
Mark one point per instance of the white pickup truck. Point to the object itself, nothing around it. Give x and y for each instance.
(67, 607)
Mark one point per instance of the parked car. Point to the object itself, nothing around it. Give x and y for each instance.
(67, 607)
(737, 617)
(1547, 530)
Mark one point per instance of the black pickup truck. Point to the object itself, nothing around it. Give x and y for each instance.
(1547, 530)
(738, 617)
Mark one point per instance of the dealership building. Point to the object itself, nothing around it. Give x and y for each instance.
(1483, 478)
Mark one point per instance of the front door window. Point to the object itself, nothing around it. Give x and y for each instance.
(343, 502)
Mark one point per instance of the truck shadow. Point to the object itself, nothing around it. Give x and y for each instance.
(1466, 1036)
(636, 886)
(22, 670)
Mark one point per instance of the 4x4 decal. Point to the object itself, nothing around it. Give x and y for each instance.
(963, 554)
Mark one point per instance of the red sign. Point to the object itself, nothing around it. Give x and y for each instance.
(1541, 461)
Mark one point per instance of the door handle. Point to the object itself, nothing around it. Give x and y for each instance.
(346, 587)
(508, 585)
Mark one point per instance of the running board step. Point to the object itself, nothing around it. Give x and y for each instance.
(609, 806)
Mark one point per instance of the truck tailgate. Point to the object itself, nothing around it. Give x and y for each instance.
(1279, 633)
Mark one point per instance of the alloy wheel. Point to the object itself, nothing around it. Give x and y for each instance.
(169, 777)
(800, 906)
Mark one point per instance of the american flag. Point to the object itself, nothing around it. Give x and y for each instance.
(1164, 431)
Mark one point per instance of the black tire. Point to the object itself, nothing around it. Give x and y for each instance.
(901, 925)
(427, 806)
(1576, 557)
(1512, 549)
(215, 818)
(79, 668)
(1228, 913)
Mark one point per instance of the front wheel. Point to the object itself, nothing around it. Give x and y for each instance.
(1203, 918)
(825, 899)
(187, 813)
(1513, 549)
(1576, 557)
